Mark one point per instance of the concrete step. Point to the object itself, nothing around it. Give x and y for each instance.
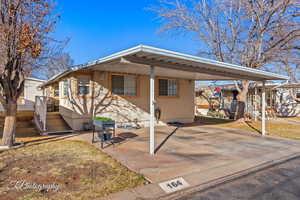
(53, 116)
(55, 123)
(24, 120)
(52, 113)
(24, 132)
(56, 127)
(59, 129)
(21, 124)
(27, 118)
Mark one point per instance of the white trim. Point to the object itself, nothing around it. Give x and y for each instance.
(173, 54)
(35, 79)
(152, 120)
(183, 56)
(263, 110)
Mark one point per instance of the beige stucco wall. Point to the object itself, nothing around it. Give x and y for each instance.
(49, 91)
(124, 110)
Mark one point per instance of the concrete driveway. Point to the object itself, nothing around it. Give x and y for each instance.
(198, 152)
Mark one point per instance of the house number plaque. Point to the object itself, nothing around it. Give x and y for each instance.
(174, 185)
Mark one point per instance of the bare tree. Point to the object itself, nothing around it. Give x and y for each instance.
(56, 61)
(24, 29)
(291, 66)
(59, 63)
(253, 33)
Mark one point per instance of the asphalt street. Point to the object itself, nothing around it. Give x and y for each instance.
(281, 182)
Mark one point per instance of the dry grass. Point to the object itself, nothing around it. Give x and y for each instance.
(80, 170)
(294, 118)
(273, 128)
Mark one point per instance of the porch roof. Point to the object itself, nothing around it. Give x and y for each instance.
(172, 64)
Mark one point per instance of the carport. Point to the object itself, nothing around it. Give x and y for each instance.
(146, 60)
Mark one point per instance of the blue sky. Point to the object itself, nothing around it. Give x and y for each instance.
(99, 28)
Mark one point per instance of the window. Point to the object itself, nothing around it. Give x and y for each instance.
(65, 88)
(56, 91)
(83, 86)
(21, 99)
(123, 85)
(167, 87)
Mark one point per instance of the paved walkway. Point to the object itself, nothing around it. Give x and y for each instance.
(199, 154)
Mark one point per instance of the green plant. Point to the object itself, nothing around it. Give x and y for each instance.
(103, 119)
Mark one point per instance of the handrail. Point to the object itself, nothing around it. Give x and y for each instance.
(40, 111)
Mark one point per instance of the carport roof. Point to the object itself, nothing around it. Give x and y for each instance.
(137, 59)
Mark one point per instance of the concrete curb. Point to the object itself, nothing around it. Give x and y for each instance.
(229, 178)
(153, 191)
(7, 148)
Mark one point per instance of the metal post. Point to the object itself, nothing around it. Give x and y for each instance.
(152, 120)
(255, 103)
(263, 110)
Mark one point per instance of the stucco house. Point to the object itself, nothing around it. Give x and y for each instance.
(121, 96)
(140, 86)
(27, 99)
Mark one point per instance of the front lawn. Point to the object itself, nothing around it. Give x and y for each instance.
(294, 118)
(273, 128)
(80, 170)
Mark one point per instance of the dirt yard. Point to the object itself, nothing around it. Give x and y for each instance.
(77, 169)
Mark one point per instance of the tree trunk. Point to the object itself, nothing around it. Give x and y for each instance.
(242, 98)
(9, 124)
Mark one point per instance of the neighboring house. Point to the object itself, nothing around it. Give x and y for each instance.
(122, 85)
(278, 97)
(283, 99)
(27, 99)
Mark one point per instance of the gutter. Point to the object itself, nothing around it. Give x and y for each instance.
(172, 54)
(280, 85)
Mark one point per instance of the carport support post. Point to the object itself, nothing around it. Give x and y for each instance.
(263, 109)
(152, 102)
(255, 102)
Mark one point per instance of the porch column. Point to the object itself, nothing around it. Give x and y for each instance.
(152, 102)
(263, 110)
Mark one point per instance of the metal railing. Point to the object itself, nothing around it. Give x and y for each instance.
(40, 111)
